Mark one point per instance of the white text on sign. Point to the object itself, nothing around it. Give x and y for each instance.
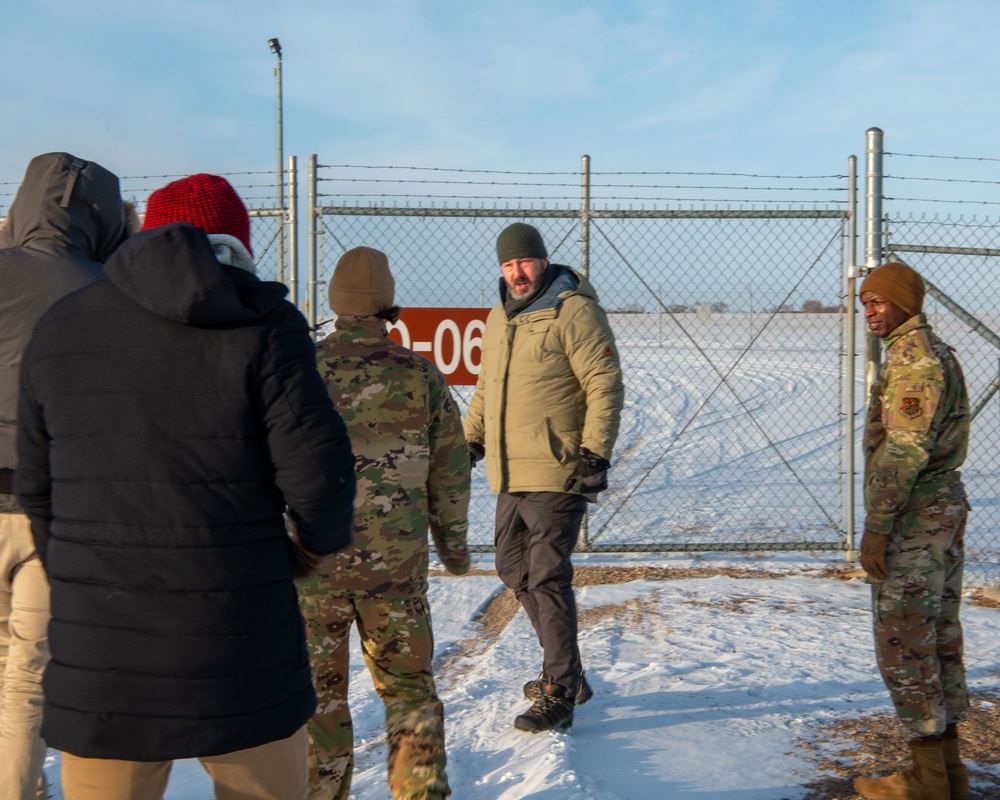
(450, 337)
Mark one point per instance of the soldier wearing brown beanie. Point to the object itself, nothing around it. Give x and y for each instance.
(899, 283)
(916, 436)
(413, 478)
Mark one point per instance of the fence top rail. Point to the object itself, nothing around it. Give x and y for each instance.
(569, 213)
(952, 251)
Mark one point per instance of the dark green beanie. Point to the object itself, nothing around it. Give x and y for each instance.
(520, 241)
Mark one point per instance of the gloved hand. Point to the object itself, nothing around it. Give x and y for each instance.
(873, 555)
(477, 451)
(590, 475)
(304, 561)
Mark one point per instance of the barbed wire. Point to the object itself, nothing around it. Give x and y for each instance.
(440, 169)
(939, 180)
(394, 195)
(575, 200)
(185, 174)
(942, 200)
(702, 187)
(947, 222)
(951, 158)
(577, 174)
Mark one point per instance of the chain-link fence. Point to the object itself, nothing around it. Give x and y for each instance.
(273, 243)
(270, 239)
(730, 327)
(962, 268)
(726, 294)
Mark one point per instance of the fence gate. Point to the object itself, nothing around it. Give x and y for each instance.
(730, 324)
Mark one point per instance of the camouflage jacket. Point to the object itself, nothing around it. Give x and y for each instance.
(411, 463)
(917, 431)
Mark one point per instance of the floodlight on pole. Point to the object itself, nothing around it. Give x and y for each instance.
(275, 46)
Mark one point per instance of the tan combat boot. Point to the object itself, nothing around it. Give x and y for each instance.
(927, 779)
(958, 775)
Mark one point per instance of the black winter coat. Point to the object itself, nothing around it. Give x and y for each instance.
(168, 414)
(66, 220)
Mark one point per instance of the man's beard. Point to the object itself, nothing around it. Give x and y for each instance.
(524, 289)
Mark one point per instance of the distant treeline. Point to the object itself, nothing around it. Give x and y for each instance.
(808, 307)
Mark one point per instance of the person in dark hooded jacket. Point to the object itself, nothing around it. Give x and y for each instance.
(171, 417)
(65, 221)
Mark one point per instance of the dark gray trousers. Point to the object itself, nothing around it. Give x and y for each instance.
(535, 536)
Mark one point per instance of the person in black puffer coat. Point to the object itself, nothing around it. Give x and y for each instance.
(171, 416)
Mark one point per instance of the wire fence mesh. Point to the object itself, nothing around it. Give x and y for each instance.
(726, 294)
(257, 189)
(959, 260)
(729, 322)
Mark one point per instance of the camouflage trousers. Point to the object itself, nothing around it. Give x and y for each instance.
(918, 635)
(398, 646)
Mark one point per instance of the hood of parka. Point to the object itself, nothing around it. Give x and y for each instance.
(66, 200)
(172, 272)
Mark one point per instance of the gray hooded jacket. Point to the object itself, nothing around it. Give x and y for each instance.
(66, 220)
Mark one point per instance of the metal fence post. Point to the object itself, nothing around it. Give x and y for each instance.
(585, 217)
(293, 231)
(282, 265)
(852, 274)
(585, 270)
(873, 241)
(311, 312)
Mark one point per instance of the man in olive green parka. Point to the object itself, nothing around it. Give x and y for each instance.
(545, 414)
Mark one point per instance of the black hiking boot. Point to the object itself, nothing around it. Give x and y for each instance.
(550, 712)
(533, 689)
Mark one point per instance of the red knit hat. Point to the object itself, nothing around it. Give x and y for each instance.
(207, 201)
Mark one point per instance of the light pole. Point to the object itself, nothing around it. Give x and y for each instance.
(275, 46)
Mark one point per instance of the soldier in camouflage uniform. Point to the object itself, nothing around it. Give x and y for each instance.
(915, 440)
(412, 474)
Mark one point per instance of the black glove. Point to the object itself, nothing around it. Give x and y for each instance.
(590, 475)
(476, 453)
(304, 561)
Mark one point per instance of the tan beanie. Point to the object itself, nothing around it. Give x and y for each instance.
(899, 284)
(362, 285)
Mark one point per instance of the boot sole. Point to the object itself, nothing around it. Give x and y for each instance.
(559, 727)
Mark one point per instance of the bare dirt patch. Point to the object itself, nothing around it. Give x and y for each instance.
(978, 598)
(876, 745)
(598, 576)
(500, 609)
(848, 572)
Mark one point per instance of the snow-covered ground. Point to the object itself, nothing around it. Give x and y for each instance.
(702, 686)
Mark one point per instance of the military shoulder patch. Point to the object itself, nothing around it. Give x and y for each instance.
(911, 407)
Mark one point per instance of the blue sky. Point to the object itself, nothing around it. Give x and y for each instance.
(784, 86)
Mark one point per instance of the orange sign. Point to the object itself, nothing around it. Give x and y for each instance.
(450, 337)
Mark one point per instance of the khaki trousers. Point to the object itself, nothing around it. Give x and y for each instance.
(24, 652)
(272, 771)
